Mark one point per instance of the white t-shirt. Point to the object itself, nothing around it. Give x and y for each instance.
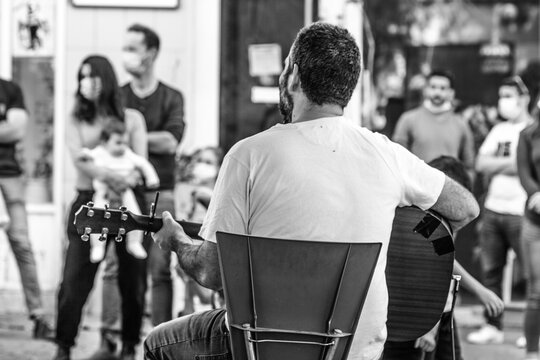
(321, 180)
(505, 194)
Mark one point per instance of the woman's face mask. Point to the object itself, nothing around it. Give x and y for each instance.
(203, 171)
(90, 88)
(509, 108)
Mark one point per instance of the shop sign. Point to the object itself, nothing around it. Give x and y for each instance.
(496, 58)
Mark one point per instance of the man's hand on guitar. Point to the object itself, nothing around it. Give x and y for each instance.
(171, 236)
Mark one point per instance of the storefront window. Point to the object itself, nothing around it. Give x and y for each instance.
(35, 76)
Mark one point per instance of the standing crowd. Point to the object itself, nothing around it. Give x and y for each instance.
(123, 142)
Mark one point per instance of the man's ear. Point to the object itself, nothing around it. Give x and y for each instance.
(294, 79)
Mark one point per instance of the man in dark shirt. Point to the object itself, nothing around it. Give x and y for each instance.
(13, 120)
(163, 110)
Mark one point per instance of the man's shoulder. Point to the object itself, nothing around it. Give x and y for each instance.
(167, 89)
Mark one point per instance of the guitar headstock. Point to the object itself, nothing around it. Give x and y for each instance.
(105, 221)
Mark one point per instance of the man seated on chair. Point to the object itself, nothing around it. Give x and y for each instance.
(318, 176)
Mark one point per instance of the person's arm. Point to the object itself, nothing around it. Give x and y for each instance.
(488, 162)
(162, 142)
(527, 176)
(166, 140)
(456, 204)
(493, 304)
(525, 165)
(138, 137)
(491, 165)
(13, 129)
(401, 133)
(467, 152)
(149, 173)
(200, 261)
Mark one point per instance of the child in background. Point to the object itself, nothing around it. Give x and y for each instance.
(114, 154)
(194, 192)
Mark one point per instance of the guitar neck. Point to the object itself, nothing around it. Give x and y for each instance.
(190, 228)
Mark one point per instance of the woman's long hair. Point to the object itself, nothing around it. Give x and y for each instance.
(110, 100)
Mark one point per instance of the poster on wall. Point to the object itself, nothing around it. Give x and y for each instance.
(33, 28)
(161, 4)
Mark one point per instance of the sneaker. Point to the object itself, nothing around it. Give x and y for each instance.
(42, 330)
(62, 353)
(521, 342)
(488, 334)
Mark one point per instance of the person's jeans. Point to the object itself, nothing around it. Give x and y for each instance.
(530, 235)
(202, 336)
(160, 265)
(13, 190)
(110, 309)
(78, 279)
(499, 232)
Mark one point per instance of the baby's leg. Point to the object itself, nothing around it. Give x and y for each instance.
(97, 248)
(134, 239)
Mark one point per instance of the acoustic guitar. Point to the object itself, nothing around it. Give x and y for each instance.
(418, 278)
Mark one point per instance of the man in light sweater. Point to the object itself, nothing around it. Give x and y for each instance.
(434, 129)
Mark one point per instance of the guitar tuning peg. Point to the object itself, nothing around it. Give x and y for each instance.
(85, 237)
(90, 204)
(107, 215)
(104, 233)
(123, 208)
(87, 230)
(118, 238)
(106, 206)
(121, 231)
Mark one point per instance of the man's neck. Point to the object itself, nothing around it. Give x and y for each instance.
(314, 112)
(145, 84)
(522, 118)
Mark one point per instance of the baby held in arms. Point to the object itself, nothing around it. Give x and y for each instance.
(114, 154)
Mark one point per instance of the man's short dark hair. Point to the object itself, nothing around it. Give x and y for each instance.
(114, 126)
(516, 82)
(445, 74)
(328, 61)
(151, 39)
(454, 169)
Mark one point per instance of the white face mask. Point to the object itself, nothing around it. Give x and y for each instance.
(204, 171)
(509, 108)
(444, 107)
(90, 88)
(132, 62)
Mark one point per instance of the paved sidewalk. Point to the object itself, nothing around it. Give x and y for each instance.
(16, 342)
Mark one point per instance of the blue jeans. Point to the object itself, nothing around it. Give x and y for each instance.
(202, 336)
(13, 190)
(499, 233)
(160, 265)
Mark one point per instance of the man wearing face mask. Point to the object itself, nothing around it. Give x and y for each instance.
(434, 129)
(505, 200)
(163, 110)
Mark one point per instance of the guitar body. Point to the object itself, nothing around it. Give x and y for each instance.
(418, 279)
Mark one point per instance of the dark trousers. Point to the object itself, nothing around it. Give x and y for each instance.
(78, 279)
(498, 233)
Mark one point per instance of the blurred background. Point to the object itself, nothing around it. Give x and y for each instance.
(226, 57)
